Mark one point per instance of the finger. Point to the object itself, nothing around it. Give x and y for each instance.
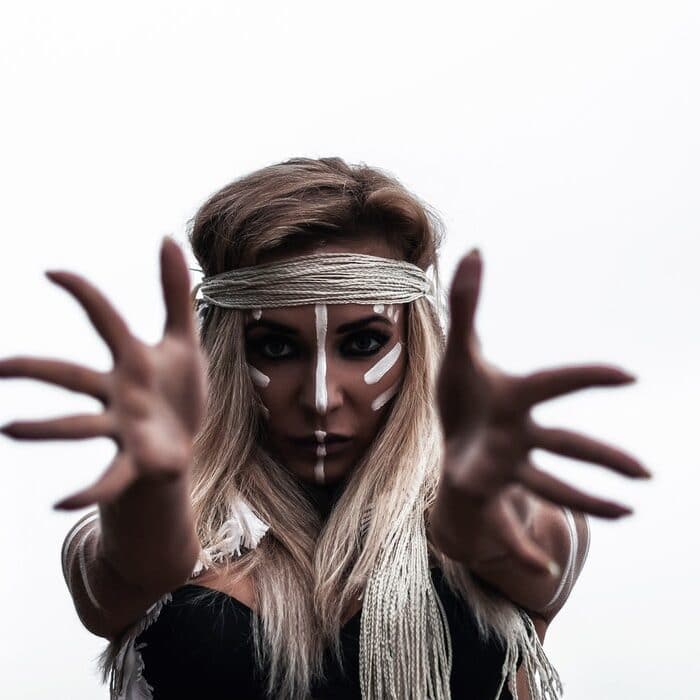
(464, 297)
(561, 493)
(581, 447)
(65, 428)
(551, 383)
(103, 316)
(114, 481)
(175, 280)
(66, 374)
(521, 546)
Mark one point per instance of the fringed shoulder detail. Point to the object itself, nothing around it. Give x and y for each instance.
(242, 528)
(122, 664)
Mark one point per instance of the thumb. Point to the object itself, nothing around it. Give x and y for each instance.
(464, 297)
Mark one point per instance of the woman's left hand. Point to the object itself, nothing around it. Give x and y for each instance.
(489, 432)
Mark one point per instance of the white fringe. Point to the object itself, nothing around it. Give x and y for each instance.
(121, 661)
(243, 528)
(405, 645)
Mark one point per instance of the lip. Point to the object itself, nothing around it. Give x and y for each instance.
(333, 443)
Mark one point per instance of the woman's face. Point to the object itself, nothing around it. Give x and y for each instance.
(326, 374)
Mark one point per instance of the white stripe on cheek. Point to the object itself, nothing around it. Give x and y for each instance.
(321, 313)
(376, 372)
(257, 313)
(259, 379)
(385, 396)
(378, 308)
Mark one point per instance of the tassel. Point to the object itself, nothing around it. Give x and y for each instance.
(243, 528)
(123, 660)
(126, 676)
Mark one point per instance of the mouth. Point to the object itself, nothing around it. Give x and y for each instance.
(332, 444)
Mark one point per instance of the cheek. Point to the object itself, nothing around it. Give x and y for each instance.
(274, 389)
(379, 383)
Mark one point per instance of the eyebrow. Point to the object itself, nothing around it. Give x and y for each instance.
(344, 328)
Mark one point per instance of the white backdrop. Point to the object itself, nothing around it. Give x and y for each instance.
(561, 138)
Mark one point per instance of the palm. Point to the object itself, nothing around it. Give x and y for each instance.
(487, 423)
(154, 396)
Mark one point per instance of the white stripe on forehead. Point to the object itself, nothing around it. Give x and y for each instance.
(377, 371)
(321, 313)
(259, 379)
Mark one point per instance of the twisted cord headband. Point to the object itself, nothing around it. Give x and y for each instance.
(324, 278)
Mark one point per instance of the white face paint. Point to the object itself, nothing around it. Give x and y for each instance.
(321, 313)
(378, 308)
(385, 396)
(257, 314)
(259, 379)
(378, 370)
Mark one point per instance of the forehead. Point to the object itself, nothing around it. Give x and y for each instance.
(305, 316)
(364, 242)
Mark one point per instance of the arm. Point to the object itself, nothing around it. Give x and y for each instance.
(119, 560)
(509, 522)
(141, 541)
(561, 533)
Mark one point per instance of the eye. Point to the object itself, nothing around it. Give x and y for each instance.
(273, 347)
(364, 343)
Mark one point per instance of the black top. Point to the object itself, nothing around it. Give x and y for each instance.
(201, 647)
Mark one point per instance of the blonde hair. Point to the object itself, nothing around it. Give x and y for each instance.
(305, 572)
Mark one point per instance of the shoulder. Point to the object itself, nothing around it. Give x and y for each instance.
(572, 543)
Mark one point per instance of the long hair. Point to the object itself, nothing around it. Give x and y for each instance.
(305, 571)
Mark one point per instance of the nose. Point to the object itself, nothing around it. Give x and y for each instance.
(321, 390)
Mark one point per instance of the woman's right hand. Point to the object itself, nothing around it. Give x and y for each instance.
(154, 397)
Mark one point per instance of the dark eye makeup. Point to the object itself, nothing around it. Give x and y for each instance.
(273, 346)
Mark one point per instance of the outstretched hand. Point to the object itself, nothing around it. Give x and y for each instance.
(489, 431)
(153, 398)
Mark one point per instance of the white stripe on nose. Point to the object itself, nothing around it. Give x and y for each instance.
(321, 313)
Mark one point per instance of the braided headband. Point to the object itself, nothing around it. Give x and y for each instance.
(325, 278)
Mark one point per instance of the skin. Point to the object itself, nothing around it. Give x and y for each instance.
(361, 367)
(153, 401)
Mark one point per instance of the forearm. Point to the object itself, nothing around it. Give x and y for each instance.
(465, 530)
(147, 535)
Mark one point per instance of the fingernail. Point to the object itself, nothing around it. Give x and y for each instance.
(554, 568)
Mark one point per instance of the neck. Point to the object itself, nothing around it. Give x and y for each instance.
(324, 496)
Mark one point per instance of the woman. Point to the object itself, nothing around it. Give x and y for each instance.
(288, 469)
